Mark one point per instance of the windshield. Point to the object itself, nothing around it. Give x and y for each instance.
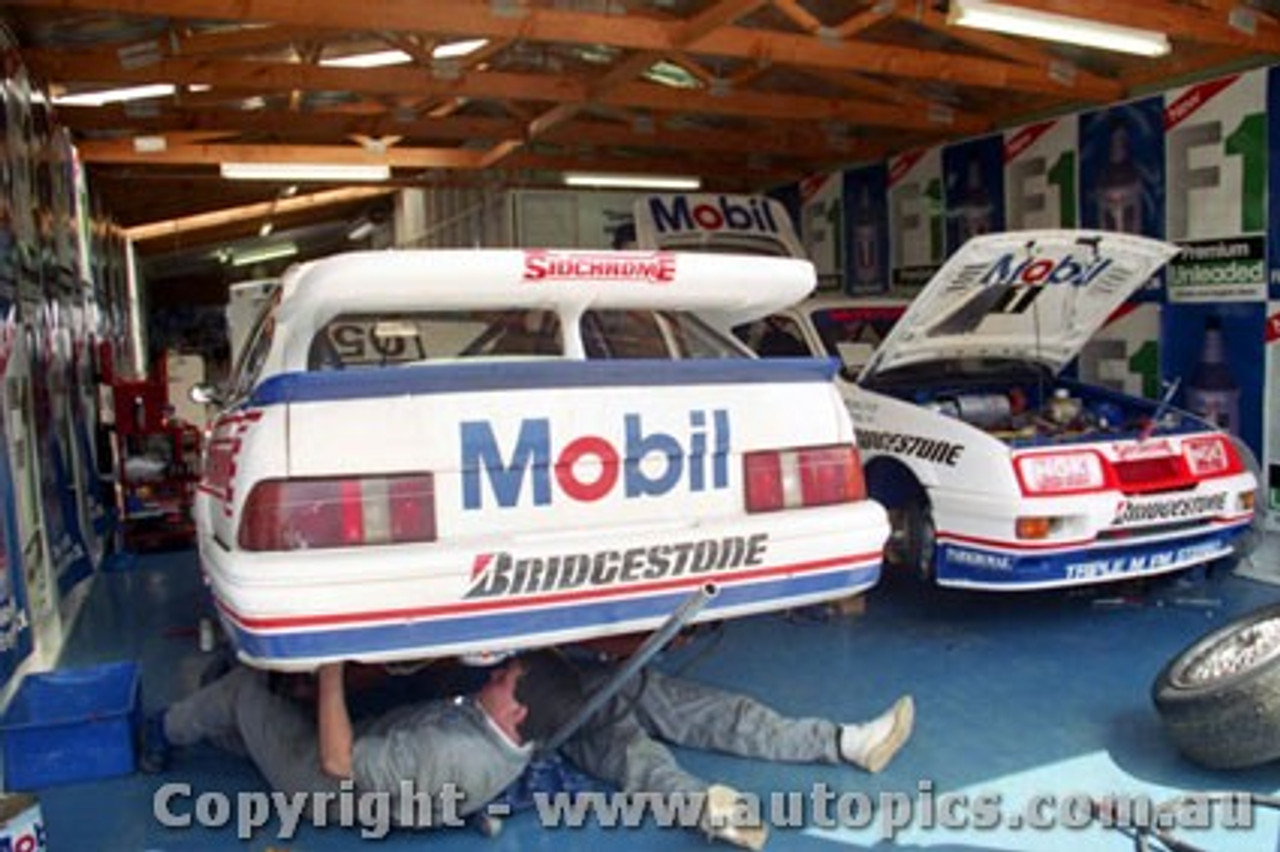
(852, 333)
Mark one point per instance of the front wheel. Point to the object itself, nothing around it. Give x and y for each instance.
(1219, 698)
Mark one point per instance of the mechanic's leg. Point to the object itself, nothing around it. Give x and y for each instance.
(702, 716)
(615, 748)
(209, 712)
(281, 737)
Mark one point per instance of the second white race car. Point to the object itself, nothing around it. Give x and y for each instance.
(999, 472)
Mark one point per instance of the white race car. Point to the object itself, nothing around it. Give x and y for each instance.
(1001, 473)
(441, 453)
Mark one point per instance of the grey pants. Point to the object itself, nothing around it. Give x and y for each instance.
(238, 712)
(624, 742)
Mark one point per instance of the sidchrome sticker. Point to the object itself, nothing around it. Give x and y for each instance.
(502, 574)
(1130, 512)
(651, 268)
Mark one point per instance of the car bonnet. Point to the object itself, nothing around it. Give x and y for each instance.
(1026, 295)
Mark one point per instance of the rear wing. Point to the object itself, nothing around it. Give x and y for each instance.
(743, 224)
(721, 287)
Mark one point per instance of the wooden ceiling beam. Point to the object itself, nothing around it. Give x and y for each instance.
(186, 225)
(123, 151)
(493, 85)
(798, 15)
(634, 32)
(713, 18)
(282, 76)
(793, 107)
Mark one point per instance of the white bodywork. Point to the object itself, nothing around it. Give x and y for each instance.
(574, 496)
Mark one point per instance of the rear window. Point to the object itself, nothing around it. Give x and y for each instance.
(368, 340)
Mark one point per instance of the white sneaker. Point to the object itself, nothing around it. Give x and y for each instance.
(722, 820)
(873, 744)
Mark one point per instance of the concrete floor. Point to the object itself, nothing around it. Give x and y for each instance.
(1017, 696)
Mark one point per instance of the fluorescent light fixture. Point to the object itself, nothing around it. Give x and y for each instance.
(383, 58)
(620, 181)
(112, 96)
(376, 59)
(305, 171)
(458, 49)
(275, 251)
(1015, 20)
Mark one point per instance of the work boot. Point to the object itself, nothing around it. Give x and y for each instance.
(723, 818)
(873, 744)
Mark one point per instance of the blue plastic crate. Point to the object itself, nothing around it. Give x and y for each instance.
(72, 725)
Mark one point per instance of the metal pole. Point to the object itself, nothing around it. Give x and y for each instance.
(660, 637)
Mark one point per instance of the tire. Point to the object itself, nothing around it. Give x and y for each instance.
(919, 538)
(1219, 698)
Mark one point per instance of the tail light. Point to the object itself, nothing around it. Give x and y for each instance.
(1211, 456)
(1042, 474)
(303, 514)
(803, 476)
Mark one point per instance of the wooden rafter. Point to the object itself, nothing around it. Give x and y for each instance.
(459, 17)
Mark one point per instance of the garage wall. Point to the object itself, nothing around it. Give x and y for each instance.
(1196, 165)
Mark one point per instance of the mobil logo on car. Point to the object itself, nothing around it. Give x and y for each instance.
(539, 467)
(745, 214)
(1021, 270)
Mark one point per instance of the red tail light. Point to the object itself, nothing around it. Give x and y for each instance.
(804, 476)
(302, 514)
(1211, 456)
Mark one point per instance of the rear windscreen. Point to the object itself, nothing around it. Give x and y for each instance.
(366, 340)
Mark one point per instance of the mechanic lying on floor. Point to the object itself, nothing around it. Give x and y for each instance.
(479, 745)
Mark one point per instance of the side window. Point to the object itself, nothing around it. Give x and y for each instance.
(623, 334)
(669, 335)
(776, 336)
(254, 355)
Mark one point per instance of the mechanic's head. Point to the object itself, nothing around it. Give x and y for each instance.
(532, 696)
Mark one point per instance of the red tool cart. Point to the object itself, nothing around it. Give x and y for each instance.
(157, 463)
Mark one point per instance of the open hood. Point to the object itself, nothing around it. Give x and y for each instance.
(1027, 295)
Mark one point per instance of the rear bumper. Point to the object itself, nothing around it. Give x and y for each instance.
(976, 548)
(296, 610)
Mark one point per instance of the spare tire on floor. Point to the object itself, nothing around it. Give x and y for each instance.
(1220, 697)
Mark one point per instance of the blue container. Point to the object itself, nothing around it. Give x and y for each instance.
(72, 725)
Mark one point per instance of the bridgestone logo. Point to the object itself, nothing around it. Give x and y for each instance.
(546, 265)
(502, 574)
(1167, 510)
(929, 449)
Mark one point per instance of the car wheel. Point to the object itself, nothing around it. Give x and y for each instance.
(1219, 699)
(918, 537)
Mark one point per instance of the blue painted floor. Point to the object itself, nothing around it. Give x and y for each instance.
(1018, 696)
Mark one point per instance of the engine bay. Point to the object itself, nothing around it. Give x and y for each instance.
(1034, 413)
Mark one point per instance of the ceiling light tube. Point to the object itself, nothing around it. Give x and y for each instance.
(624, 181)
(275, 251)
(376, 59)
(458, 49)
(305, 171)
(1015, 20)
(112, 96)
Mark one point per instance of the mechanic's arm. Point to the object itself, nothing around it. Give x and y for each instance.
(334, 721)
